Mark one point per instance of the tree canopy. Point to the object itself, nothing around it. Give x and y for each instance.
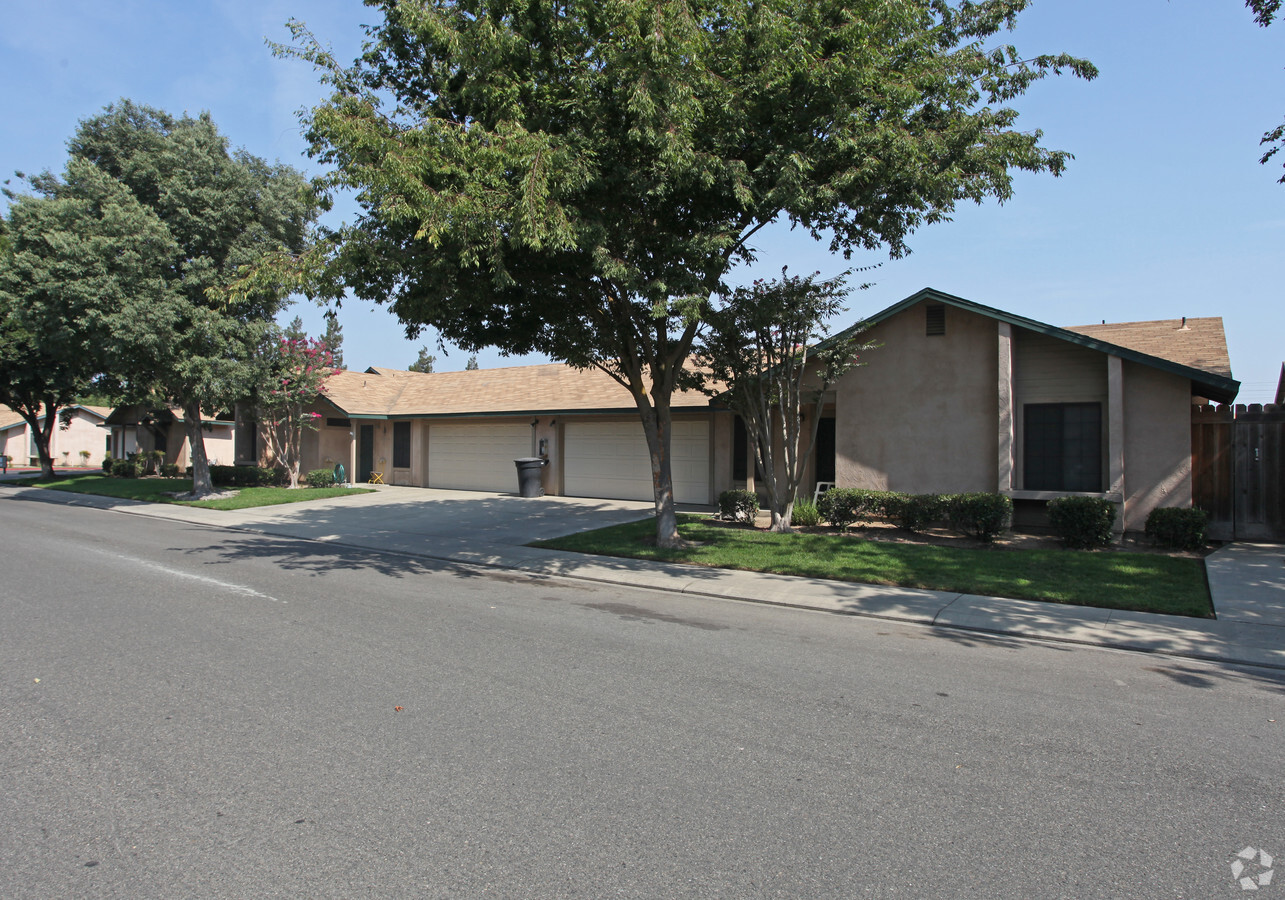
(580, 178)
(81, 276)
(223, 211)
(1264, 13)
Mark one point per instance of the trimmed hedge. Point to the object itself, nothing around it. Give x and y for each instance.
(738, 506)
(1082, 523)
(244, 476)
(320, 478)
(171, 470)
(1177, 528)
(842, 507)
(914, 512)
(979, 515)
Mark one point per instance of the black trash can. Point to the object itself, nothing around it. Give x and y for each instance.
(530, 482)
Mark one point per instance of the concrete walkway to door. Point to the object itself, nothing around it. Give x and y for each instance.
(1247, 581)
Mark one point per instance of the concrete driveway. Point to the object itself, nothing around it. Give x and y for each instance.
(425, 520)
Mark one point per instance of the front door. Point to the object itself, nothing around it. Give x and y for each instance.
(366, 453)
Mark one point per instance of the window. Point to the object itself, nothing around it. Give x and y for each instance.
(935, 319)
(338, 423)
(1062, 447)
(825, 450)
(740, 450)
(401, 445)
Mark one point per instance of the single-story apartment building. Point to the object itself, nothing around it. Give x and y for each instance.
(959, 397)
(82, 442)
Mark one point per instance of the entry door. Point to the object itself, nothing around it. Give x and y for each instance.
(366, 454)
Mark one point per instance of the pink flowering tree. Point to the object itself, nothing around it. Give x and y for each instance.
(294, 375)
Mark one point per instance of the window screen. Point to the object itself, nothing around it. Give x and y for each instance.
(401, 445)
(1062, 448)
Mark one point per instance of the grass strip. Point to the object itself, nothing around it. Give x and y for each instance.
(154, 490)
(1142, 582)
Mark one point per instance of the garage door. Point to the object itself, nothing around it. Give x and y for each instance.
(475, 456)
(610, 459)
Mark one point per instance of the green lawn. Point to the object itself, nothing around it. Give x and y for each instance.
(1137, 581)
(153, 490)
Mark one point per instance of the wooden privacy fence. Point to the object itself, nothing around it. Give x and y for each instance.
(1238, 464)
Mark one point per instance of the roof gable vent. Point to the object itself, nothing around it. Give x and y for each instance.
(935, 318)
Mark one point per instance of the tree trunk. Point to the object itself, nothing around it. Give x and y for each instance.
(201, 482)
(657, 425)
(42, 434)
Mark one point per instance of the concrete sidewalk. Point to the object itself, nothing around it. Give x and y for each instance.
(1247, 581)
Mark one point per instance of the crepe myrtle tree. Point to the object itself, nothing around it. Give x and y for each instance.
(579, 178)
(767, 344)
(293, 373)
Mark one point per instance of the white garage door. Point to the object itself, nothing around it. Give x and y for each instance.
(476, 456)
(610, 459)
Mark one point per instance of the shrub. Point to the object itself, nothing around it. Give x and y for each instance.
(320, 478)
(170, 470)
(1082, 522)
(805, 514)
(244, 476)
(979, 515)
(107, 464)
(842, 507)
(914, 512)
(738, 506)
(1180, 529)
(125, 468)
(152, 460)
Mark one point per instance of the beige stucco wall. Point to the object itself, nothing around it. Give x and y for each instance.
(550, 431)
(1157, 442)
(920, 415)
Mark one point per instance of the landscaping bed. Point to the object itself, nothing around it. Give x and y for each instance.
(1015, 566)
(165, 490)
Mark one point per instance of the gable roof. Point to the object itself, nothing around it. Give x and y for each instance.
(1200, 353)
(137, 413)
(10, 418)
(549, 389)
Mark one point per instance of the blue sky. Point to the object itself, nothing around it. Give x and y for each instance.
(1165, 211)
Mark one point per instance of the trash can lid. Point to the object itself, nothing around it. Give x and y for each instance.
(531, 459)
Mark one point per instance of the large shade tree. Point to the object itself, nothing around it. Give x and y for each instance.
(224, 210)
(81, 275)
(579, 178)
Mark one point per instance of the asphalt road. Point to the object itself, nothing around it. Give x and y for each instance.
(189, 712)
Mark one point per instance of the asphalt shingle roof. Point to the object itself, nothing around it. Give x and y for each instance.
(515, 390)
(1196, 343)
